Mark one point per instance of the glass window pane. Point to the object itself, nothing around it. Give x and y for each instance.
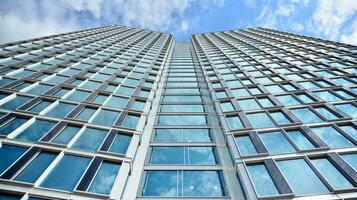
(61, 110)
(182, 99)
(248, 104)
(9, 154)
(78, 95)
(326, 113)
(66, 173)
(117, 102)
(182, 108)
(271, 139)
(234, 122)
(90, 139)
(263, 184)
(306, 116)
(66, 135)
(300, 140)
(351, 159)
(106, 118)
(331, 174)
(131, 121)
(104, 179)
(182, 120)
(260, 120)
(349, 109)
(15, 103)
(100, 99)
(36, 130)
(332, 137)
(37, 166)
(12, 125)
(40, 106)
(350, 130)
(167, 155)
(120, 144)
(280, 118)
(288, 100)
(200, 156)
(202, 183)
(245, 145)
(161, 183)
(297, 172)
(182, 135)
(85, 114)
(4, 196)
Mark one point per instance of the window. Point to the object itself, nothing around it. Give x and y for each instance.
(12, 125)
(36, 130)
(351, 159)
(349, 109)
(332, 137)
(16, 102)
(183, 155)
(91, 139)
(100, 99)
(86, 114)
(288, 100)
(61, 92)
(326, 113)
(280, 118)
(122, 90)
(350, 130)
(117, 102)
(104, 179)
(248, 104)
(260, 120)
(138, 105)
(226, 106)
(184, 183)
(182, 120)
(4, 196)
(182, 99)
(331, 174)
(262, 181)
(36, 167)
(66, 173)
(182, 108)
(120, 144)
(106, 117)
(327, 96)
(182, 91)
(39, 89)
(182, 135)
(306, 116)
(297, 172)
(271, 139)
(234, 122)
(78, 95)
(61, 110)
(245, 145)
(66, 135)
(9, 154)
(131, 121)
(300, 139)
(40, 106)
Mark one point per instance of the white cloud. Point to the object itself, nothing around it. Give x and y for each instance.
(297, 26)
(351, 36)
(33, 18)
(330, 17)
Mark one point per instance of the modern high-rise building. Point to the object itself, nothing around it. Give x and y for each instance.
(123, 113)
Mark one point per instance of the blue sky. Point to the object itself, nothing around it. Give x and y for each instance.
(329, 19)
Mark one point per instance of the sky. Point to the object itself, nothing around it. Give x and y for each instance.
(328, 19)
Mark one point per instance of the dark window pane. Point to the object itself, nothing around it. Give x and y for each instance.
(16, 102)
(36, 130)
(8, 155)
(61, 110)
(12, 125)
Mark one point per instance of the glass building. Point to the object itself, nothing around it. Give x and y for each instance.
(123, 113)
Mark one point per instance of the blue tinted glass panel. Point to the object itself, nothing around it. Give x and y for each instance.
(120, 144)
(260, 120)
(349, 109)
(117, 102)
(167, 155)
(106, 118)
(234, 123)
(12, 125)
(86, 114)
(202, 183)
(40, 106)
(37, 166)
(280, 118)
(297, 172)
(61, 110)
(350, 130)
(331, 174)
(131, 121)
(66, 173)
(104, 179)
(300, 140)
(271, 140)
(182, 135)
(8, 155)
(10, 197)
(351, 159)
(182, 108)
(161, 183)
(306, 116)
(182, 120)
(90, 139)
(200, 156)
(15, 103)
(36, 130)
(262, 181)
(40, 89)
(332, 137)
(326, 113)
(78, 95)
(245, 145)
(66, 135)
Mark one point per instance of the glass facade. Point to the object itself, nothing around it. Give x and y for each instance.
(123, 113)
